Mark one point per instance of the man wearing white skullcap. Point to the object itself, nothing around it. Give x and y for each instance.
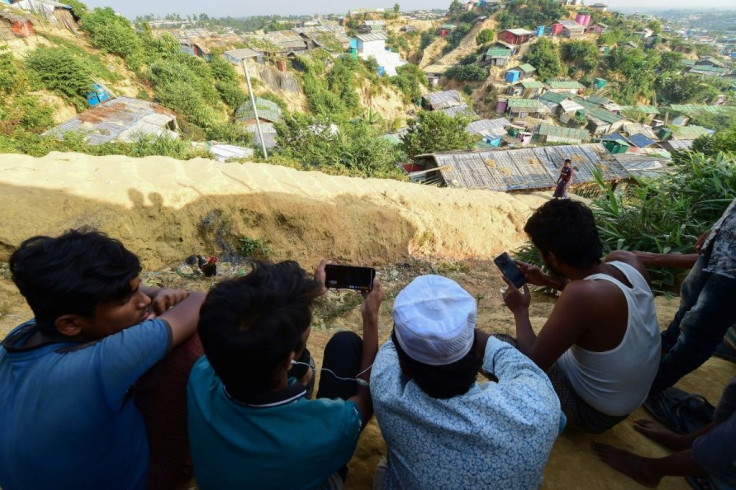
(443, 429)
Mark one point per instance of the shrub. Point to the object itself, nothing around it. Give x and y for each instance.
(409, 80)
(436, 131)
(484, 36)
(113, 33)
(254, 248)
(467, 73)
(61, 72)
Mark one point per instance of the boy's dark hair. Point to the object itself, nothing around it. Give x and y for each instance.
(567, 229)
(441, 381)
(71, 274)
(249, 325)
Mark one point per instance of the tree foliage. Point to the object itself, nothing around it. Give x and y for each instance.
(467, 73)
(59, 71)
(634, 69)
(681, 89)
(529, 14)
(113, 33)
(544, 57)
(723, 141)
(582, 55)
(352, 147)
(436, 131)
(410, 79)
(484, 36)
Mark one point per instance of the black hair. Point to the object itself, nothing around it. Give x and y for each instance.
(72, 273)
(567, 229)
(567, 160)
(249, 325)
(441, 381)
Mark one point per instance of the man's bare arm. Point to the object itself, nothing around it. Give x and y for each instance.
(565, 325)
(184, 317)
(677, 261)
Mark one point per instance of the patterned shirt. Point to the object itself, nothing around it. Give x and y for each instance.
(497, 435)
(722, 236)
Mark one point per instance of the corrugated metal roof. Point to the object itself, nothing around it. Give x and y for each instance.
(498, 53)
(443, 100)
(571, 24)
(525, 168)
(526, 104)
(553, 97)
(565, 84)
(526, 68)
(637, 163)
(223, 153)
(495, 127)
(597, 99)
(243, 53)
(267, 110)
(570, 106)
(644, 109)
(519, 32)
(605, 116)
(373, 36)
(119, 119)
(698, 109)
(531, 84)
(640, 141)
(688, 132)
(561, 132)
(678, 144)
(458, 110)
(615, 137)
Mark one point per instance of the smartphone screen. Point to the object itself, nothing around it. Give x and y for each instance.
(510, 269)
(349, 277)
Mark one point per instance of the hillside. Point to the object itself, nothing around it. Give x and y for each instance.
(165, 210)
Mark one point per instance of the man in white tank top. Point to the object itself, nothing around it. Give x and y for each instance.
(601, 344)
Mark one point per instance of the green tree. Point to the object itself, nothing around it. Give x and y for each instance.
(680, 89)
(670, 61)
(113, 33)
(353, 148)
(543, 56)
(484, 36)
(435, 131)
(456, 8)
(722, 141)
(397, 8)
(410, 79)
(582, 55)
(467, 73)
(59, 71)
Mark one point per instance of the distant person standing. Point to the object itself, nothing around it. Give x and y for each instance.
(563, 181)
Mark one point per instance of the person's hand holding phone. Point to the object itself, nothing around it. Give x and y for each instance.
(320, 276)
(532, 273)
(372, 302)
(517, 300)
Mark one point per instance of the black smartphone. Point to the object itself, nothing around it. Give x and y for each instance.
(510, 269)
(349, 277)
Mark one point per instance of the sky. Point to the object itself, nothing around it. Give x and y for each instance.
(243, 8)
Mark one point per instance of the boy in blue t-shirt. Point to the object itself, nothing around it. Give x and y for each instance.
(69, 417)
(250, 423)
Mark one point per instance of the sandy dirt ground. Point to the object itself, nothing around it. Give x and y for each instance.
(165, 210)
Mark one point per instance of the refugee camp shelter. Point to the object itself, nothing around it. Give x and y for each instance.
(236, 56)
(441, 100)
(523, 168)
(371, 44)
(58, 13)
(268, 111)
(493, 127)
(15, 24)
(497, 56)
(122, 119)
(549, 133)
(515, 37)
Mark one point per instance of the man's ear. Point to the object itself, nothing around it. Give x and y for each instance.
(69, 325)
(553, 260)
